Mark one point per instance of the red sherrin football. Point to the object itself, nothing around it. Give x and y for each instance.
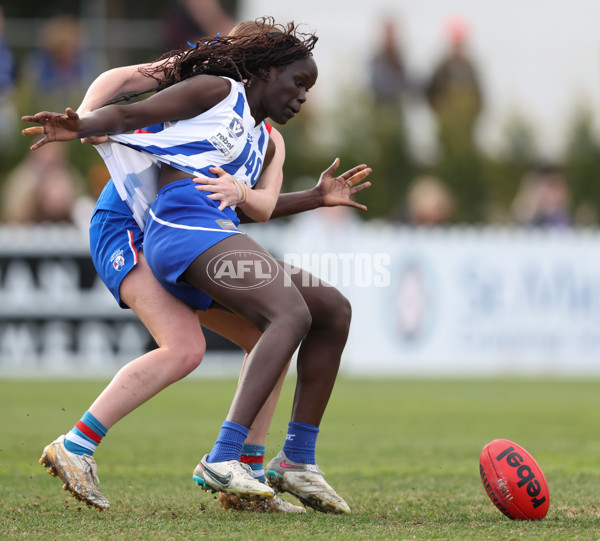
(514, 481)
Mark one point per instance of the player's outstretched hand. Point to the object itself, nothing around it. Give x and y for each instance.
(53, 126)
(337, 191)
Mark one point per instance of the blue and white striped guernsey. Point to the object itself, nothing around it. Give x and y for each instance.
(224, 136)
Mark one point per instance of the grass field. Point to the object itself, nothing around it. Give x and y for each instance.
(403, 453)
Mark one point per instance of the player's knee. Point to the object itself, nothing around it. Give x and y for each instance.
(191, 361)
(334, 312)
(344, 313)
(188, 357)
(340, 316)
(299, 319)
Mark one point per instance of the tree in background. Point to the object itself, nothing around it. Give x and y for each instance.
(582, 168)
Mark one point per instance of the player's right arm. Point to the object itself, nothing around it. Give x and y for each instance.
(185, 99)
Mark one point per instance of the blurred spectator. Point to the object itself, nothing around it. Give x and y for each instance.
(7, 62)
(455, 97)
(411, 300)
(42, 188)
(190, 20)
(453, 90)
(8, 113)
(428, 202)
(96, 176)
(388, 73)
(60, 69)
(543, 199)
(383, 137)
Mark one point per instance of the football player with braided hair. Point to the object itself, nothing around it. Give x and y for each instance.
(181, 69)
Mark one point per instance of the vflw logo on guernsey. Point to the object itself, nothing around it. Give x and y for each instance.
(236, 128)
(243, 269)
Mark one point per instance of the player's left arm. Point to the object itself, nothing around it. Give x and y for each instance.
(256, 204)
(330, 191)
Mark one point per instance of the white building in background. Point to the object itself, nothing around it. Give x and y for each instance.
(538, 58)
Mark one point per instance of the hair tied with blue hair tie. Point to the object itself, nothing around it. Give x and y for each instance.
(194, 46)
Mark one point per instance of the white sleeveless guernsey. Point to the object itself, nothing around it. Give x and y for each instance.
(224, 136)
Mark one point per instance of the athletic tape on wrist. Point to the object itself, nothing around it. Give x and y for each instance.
(242, 191)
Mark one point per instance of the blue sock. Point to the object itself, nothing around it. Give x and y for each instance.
(254, 456)
(300, 442)
(85, 436)
(229, 443)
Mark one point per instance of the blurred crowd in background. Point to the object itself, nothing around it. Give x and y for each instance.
(47, 63)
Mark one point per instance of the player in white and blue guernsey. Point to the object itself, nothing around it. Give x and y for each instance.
(225, 136)
(187, 231)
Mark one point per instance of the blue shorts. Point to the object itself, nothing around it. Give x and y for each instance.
(183, 224)
(116, 239)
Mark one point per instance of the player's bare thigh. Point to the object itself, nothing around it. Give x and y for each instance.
(170, 321)
(231, 326)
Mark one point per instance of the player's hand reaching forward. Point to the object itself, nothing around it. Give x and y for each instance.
(336, 191)
(53, 126)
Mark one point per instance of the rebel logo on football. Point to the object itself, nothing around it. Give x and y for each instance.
(525, 474)
(514, 481)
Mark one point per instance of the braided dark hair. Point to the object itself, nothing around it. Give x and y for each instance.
(238, 57)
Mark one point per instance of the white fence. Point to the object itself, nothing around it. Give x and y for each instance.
(464, 302)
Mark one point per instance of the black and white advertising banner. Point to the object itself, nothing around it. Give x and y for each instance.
(56, 316)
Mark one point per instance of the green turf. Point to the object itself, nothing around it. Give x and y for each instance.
(404, 454)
